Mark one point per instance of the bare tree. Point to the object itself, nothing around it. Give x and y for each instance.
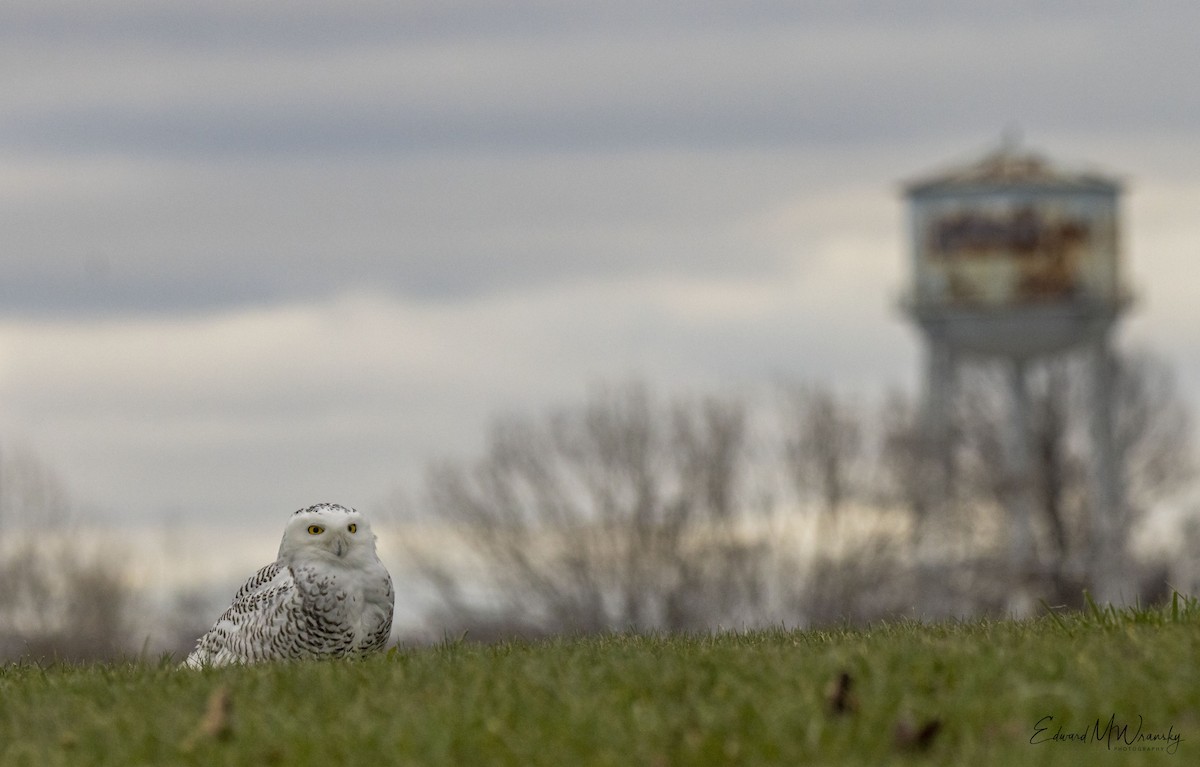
(620, 514)
(1060, 471)
(629, 513)
(1153, 431)
(906, 471)
(62, 598)
(824, 444)
(1153, 445)
(985, 479)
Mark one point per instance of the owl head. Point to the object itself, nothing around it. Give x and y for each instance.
(328, 532)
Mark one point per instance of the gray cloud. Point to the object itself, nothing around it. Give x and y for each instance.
(238, 154)
(446, 81)
(187, 236)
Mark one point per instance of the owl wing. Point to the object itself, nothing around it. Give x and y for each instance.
(248, 630)
(270, 581)
(383, 630)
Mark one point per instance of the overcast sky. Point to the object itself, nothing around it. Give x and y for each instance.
(258, 255)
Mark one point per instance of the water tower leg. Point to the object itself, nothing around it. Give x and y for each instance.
(940, 378)
(1023, 560)
(1107, 565)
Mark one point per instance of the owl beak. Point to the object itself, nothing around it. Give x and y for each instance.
(340, 546)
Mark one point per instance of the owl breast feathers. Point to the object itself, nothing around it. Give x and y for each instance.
(326, 596)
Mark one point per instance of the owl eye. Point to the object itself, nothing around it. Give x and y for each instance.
(315, 529)
(353, 528)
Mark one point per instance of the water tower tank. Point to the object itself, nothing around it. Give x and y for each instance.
(1014, 257)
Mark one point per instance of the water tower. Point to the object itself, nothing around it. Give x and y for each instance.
(1014, 259)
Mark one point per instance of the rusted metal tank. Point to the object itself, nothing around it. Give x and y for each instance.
(1014, 256)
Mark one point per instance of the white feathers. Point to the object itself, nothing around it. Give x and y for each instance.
(327, 595)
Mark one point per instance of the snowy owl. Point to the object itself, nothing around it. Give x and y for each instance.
(326, 596)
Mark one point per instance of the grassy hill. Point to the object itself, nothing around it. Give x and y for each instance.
(1101, 687)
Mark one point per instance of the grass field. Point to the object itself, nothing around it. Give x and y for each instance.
(976, 693)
